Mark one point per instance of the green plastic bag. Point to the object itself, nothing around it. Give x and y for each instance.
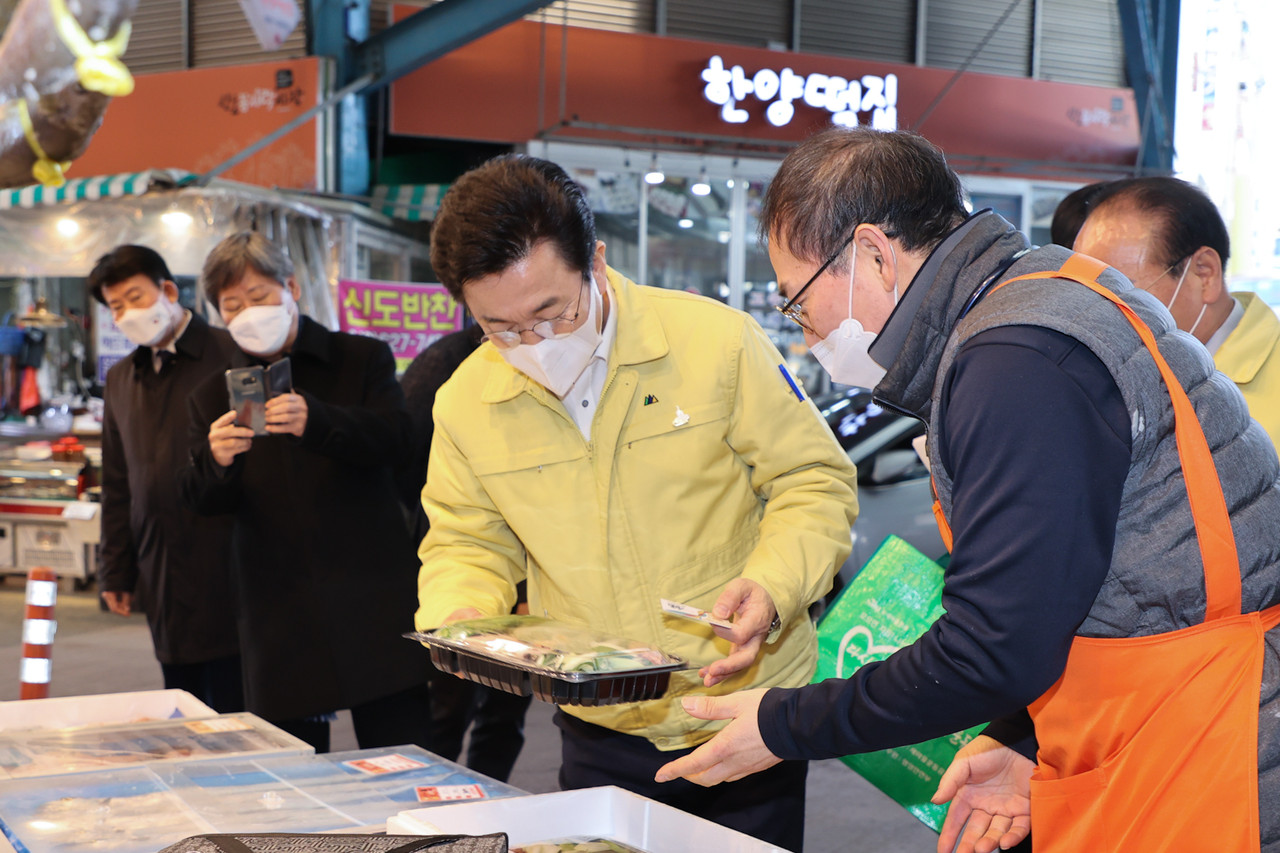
(892, 601)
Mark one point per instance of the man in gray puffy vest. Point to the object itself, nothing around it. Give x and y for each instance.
(1063, 476)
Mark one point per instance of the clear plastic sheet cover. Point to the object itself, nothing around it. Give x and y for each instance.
(32, 245)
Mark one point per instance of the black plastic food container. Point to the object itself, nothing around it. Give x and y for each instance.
(548, 684)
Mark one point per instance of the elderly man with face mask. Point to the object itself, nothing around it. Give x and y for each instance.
(1111, 509)
(322, 558)
(154, 548)
(1167, 237)
(615, 445)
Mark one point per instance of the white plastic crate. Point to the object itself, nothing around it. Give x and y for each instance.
(101, 709)
(607, 812)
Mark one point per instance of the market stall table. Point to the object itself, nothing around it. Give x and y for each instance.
(142, 809)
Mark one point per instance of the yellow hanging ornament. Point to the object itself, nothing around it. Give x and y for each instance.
(98, 64)
(46, 170)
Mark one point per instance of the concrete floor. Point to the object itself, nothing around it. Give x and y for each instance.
(97, 652)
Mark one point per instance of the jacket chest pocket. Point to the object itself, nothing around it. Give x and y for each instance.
(531, 461)
(693, 423)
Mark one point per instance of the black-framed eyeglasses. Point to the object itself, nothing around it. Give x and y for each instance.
(556, 327)
(794, 311)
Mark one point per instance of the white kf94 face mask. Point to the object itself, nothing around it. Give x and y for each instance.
(147, 326)
(556, 363)
(261, 330)
(1178, 289)
(843, 353)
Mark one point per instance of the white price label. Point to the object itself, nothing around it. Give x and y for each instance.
(444, 793)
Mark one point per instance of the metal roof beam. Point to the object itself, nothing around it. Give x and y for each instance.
(1151, 58)
(430, 34)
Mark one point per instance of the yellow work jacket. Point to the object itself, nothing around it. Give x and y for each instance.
(1250, 357)
(703, 465)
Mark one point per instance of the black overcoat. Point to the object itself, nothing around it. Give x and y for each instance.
(173, 560)
(325, 568)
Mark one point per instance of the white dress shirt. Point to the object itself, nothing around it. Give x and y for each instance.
(584, 395)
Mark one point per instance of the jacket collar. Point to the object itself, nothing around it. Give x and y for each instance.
(313, 339)
(640, 338)
(916, 333)
(1251, 343)
(190, 344)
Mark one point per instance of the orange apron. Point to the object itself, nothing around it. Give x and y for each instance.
(1151, 743)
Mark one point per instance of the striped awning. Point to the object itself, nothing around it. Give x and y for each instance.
(411, 202)
(100, 186)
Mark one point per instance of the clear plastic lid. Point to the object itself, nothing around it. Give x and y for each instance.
(535, 642)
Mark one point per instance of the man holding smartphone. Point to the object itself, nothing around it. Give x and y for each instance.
(155, 552)
(322, 557)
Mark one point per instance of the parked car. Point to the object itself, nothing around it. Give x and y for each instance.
(894, 494)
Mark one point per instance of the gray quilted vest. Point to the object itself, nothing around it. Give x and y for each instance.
(1156, 582)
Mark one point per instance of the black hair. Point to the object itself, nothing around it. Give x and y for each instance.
(842, 177)
(1074, 209)
(1186, 216)
(123, 263)
(496, 214)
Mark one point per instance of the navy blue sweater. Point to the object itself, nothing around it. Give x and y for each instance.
(1036, 438)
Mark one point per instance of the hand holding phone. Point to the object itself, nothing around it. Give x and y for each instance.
(227, 440)
(287, 415)
(249, 389)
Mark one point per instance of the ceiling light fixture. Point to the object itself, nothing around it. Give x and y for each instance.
(701, 187)
(176, 220)
(654, 175)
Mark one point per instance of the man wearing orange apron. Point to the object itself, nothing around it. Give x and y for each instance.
(1115, 512)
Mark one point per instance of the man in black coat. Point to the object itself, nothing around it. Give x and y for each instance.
(495, 718)
(155, 552)
(324, 564)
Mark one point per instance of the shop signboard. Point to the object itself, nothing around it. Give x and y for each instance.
(530, 80)
(199, 118)
(867, 99)
(409, 317)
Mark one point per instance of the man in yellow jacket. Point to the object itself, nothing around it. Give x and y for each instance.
(615, 445)
(1167, 237)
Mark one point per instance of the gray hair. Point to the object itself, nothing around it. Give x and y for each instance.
(229, 260)
(842, 177)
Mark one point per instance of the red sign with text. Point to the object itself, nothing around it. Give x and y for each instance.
(529, 80)
(199, 118)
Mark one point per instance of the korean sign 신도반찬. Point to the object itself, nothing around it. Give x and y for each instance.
(408, 317)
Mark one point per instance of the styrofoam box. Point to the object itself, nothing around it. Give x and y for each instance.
(607, 812)
(98, 709)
